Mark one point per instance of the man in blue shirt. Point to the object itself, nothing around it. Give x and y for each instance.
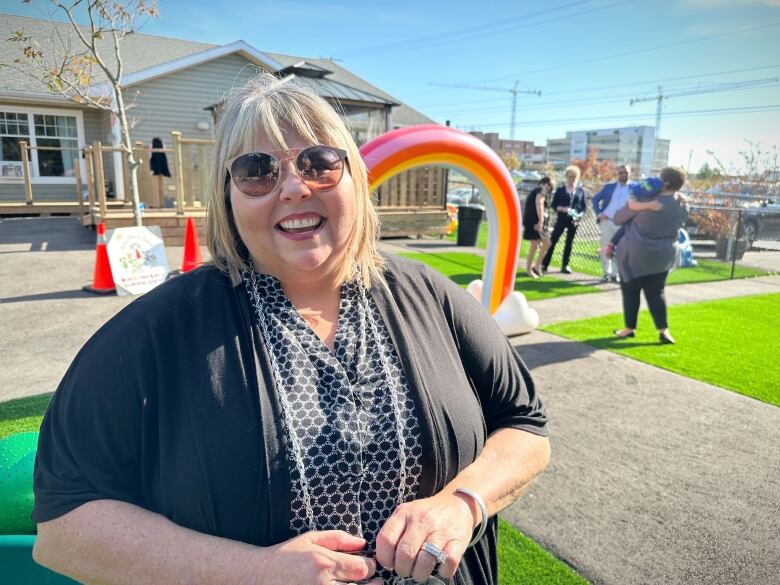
(613, 196)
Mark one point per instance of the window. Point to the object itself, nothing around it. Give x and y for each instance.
(42, 131)
(13, 128)
(58, 132)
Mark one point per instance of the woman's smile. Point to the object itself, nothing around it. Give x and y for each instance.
(301, 226)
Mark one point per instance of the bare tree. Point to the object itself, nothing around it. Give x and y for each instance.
(74, 72)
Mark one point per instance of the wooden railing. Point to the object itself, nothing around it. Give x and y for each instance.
(188, 187)
(27, 149)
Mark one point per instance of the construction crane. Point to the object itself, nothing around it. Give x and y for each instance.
(514, 91)
(661, 97)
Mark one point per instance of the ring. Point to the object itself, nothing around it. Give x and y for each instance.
(435, 552)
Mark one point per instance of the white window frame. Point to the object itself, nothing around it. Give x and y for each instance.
(35, 179)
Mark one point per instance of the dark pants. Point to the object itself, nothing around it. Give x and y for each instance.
(562, 223)
(653, 285)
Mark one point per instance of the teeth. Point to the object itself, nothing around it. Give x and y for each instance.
(297, 224)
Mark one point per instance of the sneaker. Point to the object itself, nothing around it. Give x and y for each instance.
(544, 269)
(565, 270)
(605, 279)
(614, 278)
(666, 339)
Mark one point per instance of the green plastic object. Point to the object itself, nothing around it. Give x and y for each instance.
(17, 458)
(17, 566)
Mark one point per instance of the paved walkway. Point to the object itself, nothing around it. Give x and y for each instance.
(655, 478)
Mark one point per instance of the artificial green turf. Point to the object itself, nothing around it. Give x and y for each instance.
(23, 414)
(585, 260)
(462, 268)
(732, 343)
(521, 560)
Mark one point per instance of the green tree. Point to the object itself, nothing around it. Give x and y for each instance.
(510, 160)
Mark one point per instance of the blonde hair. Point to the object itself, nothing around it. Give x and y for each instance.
(274, 107)
(572, 169)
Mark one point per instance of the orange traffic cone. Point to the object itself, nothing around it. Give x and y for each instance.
(191, 257)
(102, 279)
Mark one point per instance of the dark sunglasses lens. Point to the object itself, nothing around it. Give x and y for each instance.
(255, 174)
(320, 167)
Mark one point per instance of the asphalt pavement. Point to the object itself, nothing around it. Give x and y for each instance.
(655, 478)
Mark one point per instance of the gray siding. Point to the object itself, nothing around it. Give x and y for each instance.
(93, 125)
(14, 192)
(178, 101)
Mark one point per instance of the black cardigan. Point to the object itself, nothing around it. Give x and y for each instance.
(561, 198)
(171, 406)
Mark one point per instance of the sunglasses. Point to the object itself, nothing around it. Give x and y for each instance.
(257, 174)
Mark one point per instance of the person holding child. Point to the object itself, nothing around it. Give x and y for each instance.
(645, 249)
(535, 226)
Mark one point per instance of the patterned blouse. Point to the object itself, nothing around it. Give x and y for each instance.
(352, 427)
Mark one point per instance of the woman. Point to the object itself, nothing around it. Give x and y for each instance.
(535, 226)
(569, 203)
(647, 252)
(303, 410)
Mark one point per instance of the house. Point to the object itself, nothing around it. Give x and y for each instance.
(169, 85)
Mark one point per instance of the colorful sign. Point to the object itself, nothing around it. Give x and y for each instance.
(137, 258)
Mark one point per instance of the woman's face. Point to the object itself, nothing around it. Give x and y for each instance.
(570, 178)
(295, 233)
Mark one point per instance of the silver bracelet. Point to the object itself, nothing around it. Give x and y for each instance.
(482, 508)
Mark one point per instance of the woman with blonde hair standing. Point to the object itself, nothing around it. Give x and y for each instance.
(569, 203)
(302, 410)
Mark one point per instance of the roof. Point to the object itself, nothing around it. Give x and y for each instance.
(139, 51)
(402, 115)
(148, 56)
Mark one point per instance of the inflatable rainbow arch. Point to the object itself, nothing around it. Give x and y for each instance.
(433, 145)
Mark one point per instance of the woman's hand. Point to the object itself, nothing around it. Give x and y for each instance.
(538, 227)
(315, 558)
(445, 520)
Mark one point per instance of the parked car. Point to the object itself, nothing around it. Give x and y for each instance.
(462, 196)
(761, 221)
(758, 204)
(525, 180)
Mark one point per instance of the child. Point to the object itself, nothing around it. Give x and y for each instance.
(650, 187)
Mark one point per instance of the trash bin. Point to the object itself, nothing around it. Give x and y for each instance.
(469, 218)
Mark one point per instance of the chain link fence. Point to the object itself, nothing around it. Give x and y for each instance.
(734, 237)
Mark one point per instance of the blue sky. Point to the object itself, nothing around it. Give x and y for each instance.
(587, 57)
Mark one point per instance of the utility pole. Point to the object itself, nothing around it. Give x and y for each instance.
(661, 97)
(514, 91)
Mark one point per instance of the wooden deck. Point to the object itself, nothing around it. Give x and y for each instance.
(395, 221)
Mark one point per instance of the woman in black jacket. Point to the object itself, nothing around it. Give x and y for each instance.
(569, 203)
(299, 400)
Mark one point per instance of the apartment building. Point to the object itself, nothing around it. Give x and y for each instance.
(636, 146)
(525, 150)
